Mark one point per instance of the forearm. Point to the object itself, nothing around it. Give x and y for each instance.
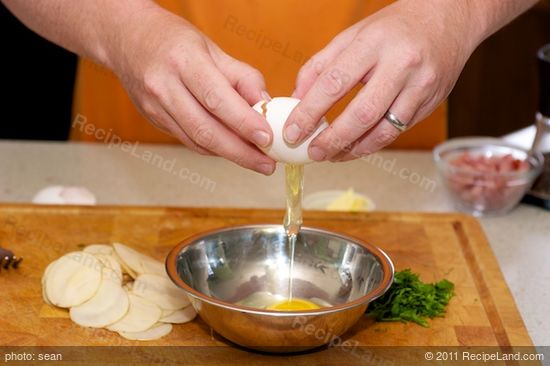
(90, 28)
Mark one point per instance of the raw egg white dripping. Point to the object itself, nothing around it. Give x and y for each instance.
(276, 112)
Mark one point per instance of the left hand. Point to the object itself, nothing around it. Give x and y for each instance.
(409, 56)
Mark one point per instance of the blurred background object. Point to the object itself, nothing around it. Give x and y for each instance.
(37, 84)
(540, 192)
(496, 94)
(64, 195)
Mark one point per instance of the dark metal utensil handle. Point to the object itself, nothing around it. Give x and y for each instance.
(8, 259)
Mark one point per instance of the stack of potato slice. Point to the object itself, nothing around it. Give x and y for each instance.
(117, 288)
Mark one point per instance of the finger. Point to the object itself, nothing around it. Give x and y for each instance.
(180, 134)
(362, 114)
(247, 81)
(211, 134)
(316, 64)
(309, 73)
(211, 88)
(328, 88)
(161, 119)
(333, 83)
(345, 153)
(406, 108)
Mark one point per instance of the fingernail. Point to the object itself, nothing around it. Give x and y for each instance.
(266, 168)
(316, 153)
(292, 133)
(261, 138)
(266, 96)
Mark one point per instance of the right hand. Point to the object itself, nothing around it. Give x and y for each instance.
(187, 86)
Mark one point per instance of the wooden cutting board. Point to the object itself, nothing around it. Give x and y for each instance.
(452, 246)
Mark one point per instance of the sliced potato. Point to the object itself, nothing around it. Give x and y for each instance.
(106, 307)
(180, 316)
(43, 281)
(137, 262)
(127, 271)
(141, 315)
(161, 291)
(126, 278)
(111, 262)
(157, 331)
(165, 313)
(98, 249)
(73, 279)
(45, 297)
(117, 288)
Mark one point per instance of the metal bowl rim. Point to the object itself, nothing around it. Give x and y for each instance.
(383, 259)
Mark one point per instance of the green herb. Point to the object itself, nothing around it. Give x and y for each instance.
(410, 299)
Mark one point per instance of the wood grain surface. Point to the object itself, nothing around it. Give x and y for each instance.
(452, 246)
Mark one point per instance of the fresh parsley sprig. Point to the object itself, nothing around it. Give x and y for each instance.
(410, 299)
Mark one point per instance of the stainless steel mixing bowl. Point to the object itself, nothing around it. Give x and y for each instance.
(221, 267)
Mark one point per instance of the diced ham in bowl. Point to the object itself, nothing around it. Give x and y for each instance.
(486, 176)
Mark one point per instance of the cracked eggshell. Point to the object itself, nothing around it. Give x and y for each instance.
(276, 112)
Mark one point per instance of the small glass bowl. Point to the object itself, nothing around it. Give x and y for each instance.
(480, 192)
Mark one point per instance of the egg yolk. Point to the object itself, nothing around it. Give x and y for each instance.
(293, 305)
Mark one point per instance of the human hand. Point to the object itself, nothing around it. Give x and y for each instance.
(187, 86)
(409, 56)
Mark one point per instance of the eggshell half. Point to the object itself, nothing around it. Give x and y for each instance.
(276, 112)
